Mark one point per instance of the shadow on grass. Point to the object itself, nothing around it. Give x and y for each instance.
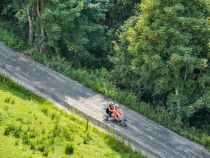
(14, 88)
(124, 150)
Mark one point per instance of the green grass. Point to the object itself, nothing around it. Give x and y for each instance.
(33, 127)
(99, 81)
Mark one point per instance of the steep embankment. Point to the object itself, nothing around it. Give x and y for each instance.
(33, 127)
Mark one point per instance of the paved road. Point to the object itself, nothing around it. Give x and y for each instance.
(151, 138)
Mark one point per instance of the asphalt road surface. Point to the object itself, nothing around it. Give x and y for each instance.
(151, 138)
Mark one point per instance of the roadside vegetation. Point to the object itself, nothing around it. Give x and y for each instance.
(151, 56)
(33, 127)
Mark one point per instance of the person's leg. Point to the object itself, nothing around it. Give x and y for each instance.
(120, 117)
(110, 114)
(115, 117)
(107, 111)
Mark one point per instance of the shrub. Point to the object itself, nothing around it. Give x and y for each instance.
(87, 139)
(45, 110)
(13, 101)
(33, 144)
(46, 152)
(1, 116)
(16, 142)
(7, 100)
(13, 129)
(11, 39)
(26, 139)
(69, 149)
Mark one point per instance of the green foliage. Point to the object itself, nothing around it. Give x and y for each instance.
(74, 29)
(120, 11)
(162, 56)
(69, 149)
(54, 62)
(87, 139)
(9, 38)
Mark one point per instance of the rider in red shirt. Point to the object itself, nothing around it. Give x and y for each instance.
(115, 112)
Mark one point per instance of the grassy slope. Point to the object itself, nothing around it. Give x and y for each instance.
(99, 82)
(33, 127)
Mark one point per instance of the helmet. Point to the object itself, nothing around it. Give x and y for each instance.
(117, 106)
(111, 103)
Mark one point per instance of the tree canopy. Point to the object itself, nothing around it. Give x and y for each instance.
(162, 54)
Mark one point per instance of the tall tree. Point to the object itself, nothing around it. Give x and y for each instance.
(164, 50)
(71, 28)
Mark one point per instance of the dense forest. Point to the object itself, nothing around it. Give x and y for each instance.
(156, 50)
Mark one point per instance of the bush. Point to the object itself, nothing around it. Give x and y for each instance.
(26, 139)
(87, 139)
(13, 129)
(46, 152)
(7, 99)
(45, 110)
(10, 39)
(1, 116)
(56, 63)
(69, 149)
